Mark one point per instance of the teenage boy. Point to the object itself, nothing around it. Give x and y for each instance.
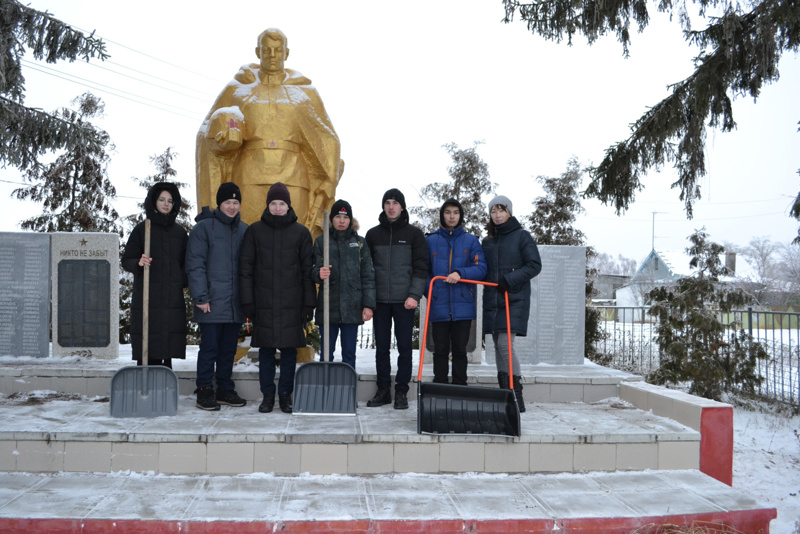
(277, 292)
(455, 254)
(212, 266)
(400, 256)
(351, 279)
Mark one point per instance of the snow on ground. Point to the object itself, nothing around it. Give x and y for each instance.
(766, 463)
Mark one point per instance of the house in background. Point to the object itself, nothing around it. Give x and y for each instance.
(660, 268)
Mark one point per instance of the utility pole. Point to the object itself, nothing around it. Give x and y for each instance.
(653, 242)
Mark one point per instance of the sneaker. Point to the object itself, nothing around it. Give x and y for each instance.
(230, 398)
(267, 404)
(400, 400)
(206, 400)
(381, 398)
(285, 402)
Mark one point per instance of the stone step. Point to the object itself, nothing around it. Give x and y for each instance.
(608, 503)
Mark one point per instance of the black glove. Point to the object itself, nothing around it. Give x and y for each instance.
(308, 315)
(502, 285)
(249, 310)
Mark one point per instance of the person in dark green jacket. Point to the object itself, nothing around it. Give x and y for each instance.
(352, 282)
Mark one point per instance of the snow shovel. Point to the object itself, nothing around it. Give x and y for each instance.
(138, 391)
(455, 409)
(325, 388)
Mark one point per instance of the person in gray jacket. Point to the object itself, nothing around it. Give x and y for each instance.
(352, 282)
(212, 265)
(400, 256)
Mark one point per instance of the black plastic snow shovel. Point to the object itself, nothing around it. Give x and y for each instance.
(144, 391)
(325, 388)
(455, 409)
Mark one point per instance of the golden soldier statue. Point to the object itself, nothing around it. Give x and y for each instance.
(269, 125)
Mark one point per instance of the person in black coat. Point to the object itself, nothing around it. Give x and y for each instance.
(400, 257)
(277, 292)
(167, 324)
(512, 260)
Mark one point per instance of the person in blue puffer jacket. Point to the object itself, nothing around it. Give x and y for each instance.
(212, 265)
(456, 254)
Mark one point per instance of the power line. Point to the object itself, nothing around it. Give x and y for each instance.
(108, 90)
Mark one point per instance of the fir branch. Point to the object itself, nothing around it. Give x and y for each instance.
(746, 57)
(26, 133)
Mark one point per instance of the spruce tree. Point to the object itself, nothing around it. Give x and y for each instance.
(739, 53)
(27, 133)
(690, 334)
(470, 180)
(75, 189)
(552, 223)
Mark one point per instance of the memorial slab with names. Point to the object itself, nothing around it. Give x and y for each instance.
(24, 294)
(556, 325)
(85, 294)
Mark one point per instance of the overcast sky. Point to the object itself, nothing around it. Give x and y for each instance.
(401, 80)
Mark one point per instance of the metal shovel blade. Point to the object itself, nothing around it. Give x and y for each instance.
(144, 391)
(452, 409)
(325, 388)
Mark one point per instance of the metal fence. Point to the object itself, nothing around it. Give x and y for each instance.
(630, 341)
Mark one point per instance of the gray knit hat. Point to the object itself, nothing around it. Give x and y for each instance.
(502, 201)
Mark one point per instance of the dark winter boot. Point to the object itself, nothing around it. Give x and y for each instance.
(230, 398)
(267, 404)
(400, 400)
(381, 398)
(502, 380)
(206, 400)
(285, 402)
(518, 393)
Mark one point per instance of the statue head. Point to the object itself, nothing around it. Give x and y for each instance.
(272, 50)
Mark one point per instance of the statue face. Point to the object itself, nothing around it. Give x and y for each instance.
(272, 54)
(164, 202)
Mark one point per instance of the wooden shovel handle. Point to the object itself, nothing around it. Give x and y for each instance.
(146, 295)
(326, 284)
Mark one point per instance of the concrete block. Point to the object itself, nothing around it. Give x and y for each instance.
(416, 458)
(507, 457)
(32, 383)
(278, 458)
(82, 456)
(136, 457)
(566, 393)
(370, 458)
(182, 458)
(461, 457)
(637, 456)
(594, 392)
(551, 457)
(99, 386)
(687, 413)
(536, 393)
(40, 456)
(69, 384)
(679, 455)
(323, 459)
(634, 395)
(230, 458)
(8, 455)
(595, 457)
(660, 404)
